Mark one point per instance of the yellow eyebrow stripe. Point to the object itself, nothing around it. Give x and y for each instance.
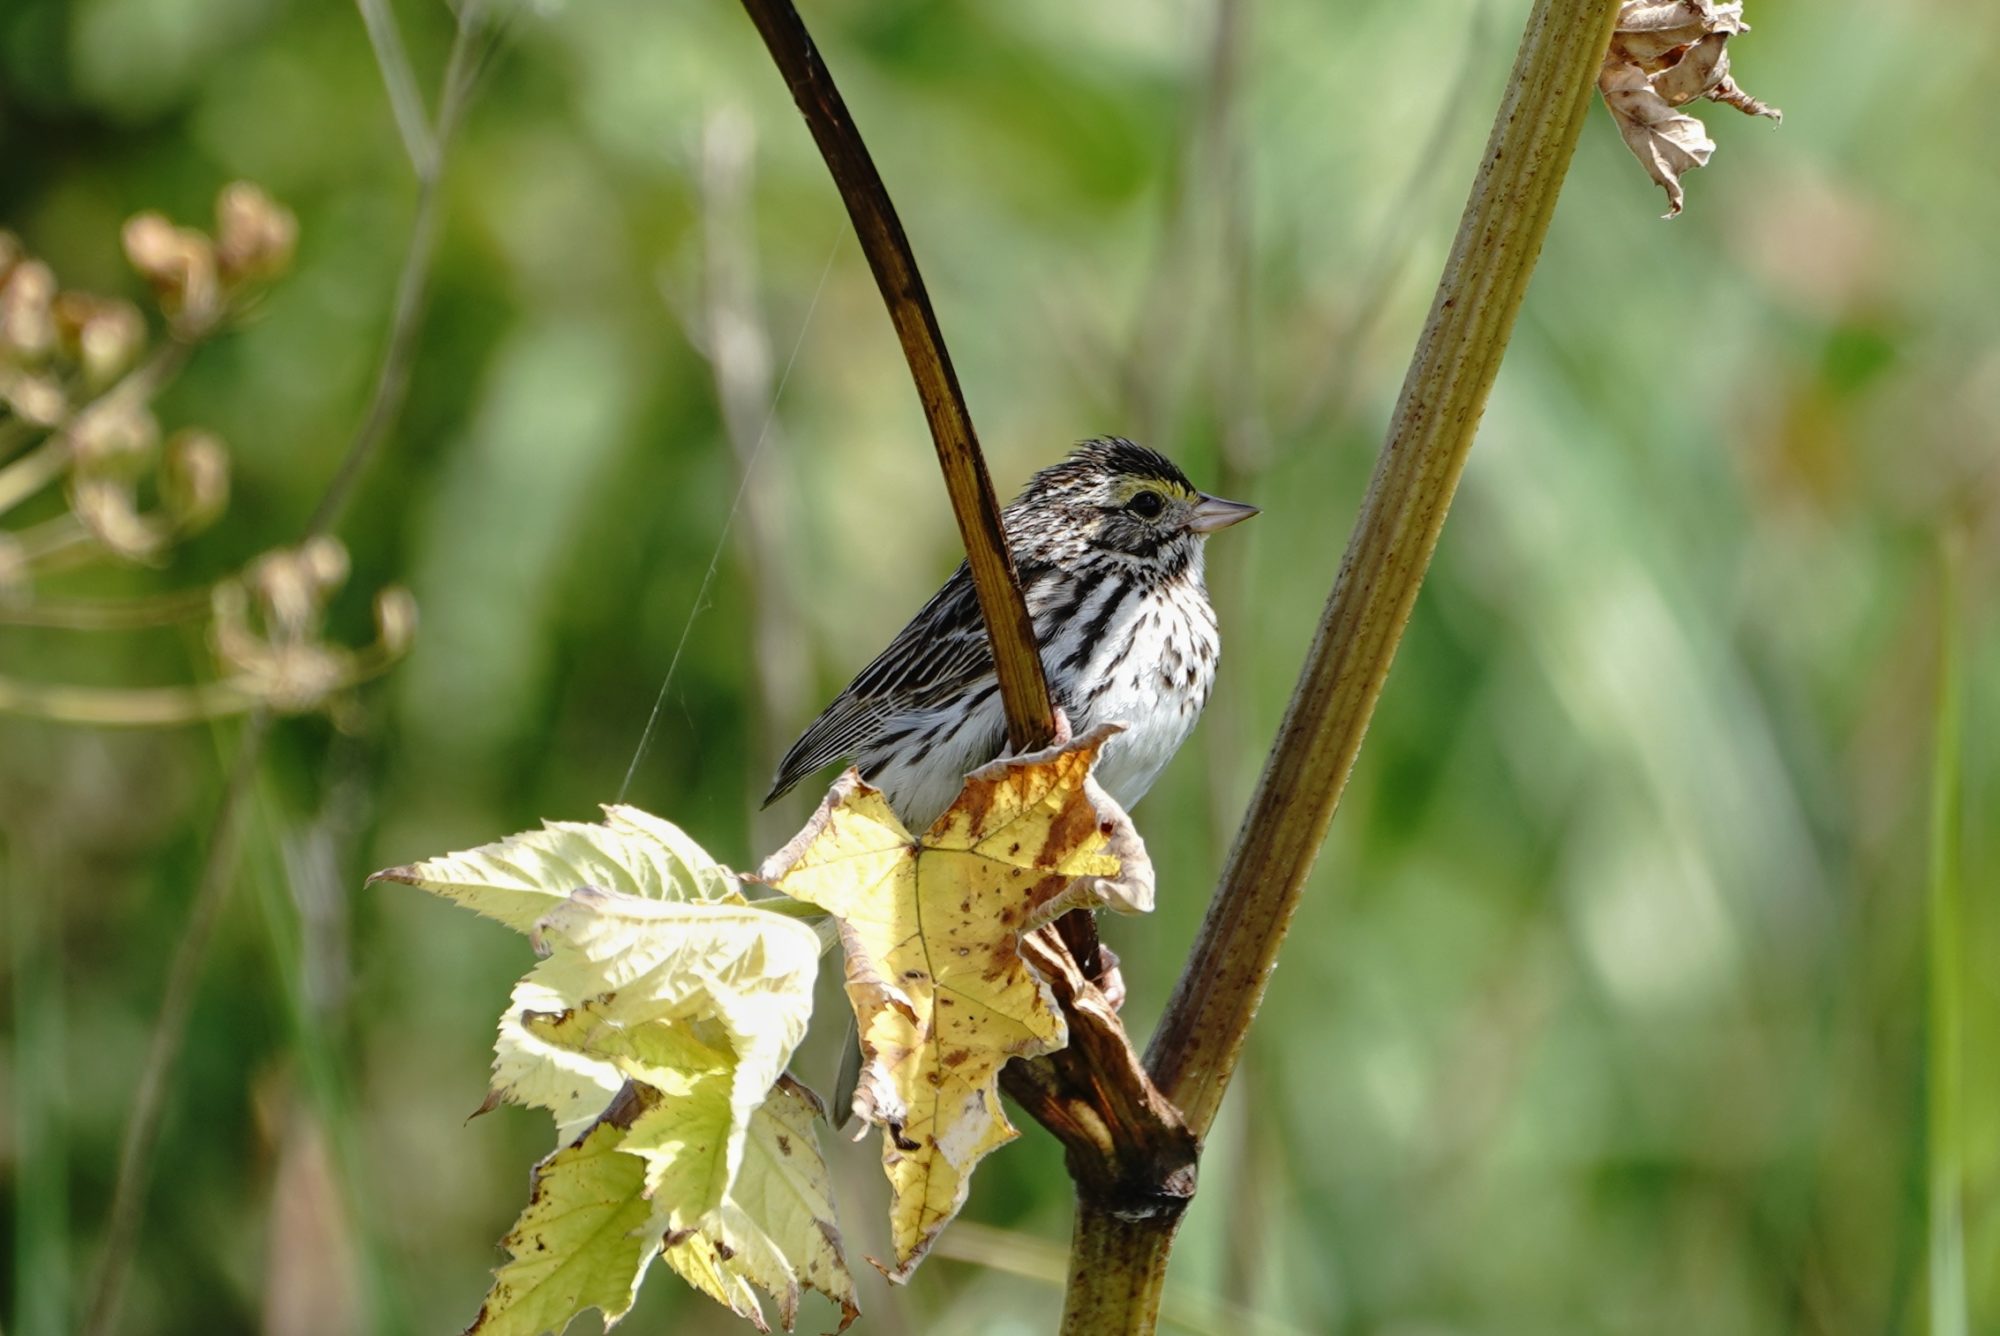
(1126, 490)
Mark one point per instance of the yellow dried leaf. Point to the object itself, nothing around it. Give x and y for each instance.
(532, 1067)
(931, 928)
(698, 1261)
(768, 1219)
(728, 978)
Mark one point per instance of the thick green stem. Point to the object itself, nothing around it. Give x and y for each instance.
(1125, 1263)
(1458, 355)
(1118, 1266)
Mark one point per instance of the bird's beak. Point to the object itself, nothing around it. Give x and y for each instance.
(1212, 513)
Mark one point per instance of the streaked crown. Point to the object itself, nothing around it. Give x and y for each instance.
(1118, 497)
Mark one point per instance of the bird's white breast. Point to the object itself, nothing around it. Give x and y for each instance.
(1157, 662)
(1147, 665)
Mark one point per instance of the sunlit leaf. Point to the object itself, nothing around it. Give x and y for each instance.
(770, 1220)
(684, 1139)
(521, 878)
(656, 1031)
(532, 1069)
(776, 1227)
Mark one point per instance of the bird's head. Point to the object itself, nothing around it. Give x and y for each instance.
(1116, 497)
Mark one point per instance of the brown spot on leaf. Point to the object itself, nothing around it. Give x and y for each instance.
(625, 1107)
(1069, 829)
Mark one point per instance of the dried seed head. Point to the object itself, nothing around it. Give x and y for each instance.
(324, 560)
(255, 235)
(100, 335)
(27, 325)
(35, 398)
(299, 677)
(115, 437)
(291, 612)
(194, 479)
(229, 623)
(268, 628)
(107, 508)
(395, 620)
(179, 263)
(292, 584)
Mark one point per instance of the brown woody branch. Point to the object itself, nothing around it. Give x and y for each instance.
(1128, 1149)
(1023, 686)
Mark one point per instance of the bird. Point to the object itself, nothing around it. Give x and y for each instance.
(1108, 544)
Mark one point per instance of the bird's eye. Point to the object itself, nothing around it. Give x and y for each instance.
(1147, 505)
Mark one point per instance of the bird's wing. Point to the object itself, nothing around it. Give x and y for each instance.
(941, 652)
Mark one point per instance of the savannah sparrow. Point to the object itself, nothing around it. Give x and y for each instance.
(1108, 544)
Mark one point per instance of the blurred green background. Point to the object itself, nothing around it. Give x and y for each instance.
(1606, 1009)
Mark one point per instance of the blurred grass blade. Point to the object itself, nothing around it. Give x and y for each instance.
(1945, 1066)
(32, 917)
(406, 103)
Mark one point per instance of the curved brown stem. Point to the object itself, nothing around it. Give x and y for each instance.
(1023, 686)
(1125, 1142)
